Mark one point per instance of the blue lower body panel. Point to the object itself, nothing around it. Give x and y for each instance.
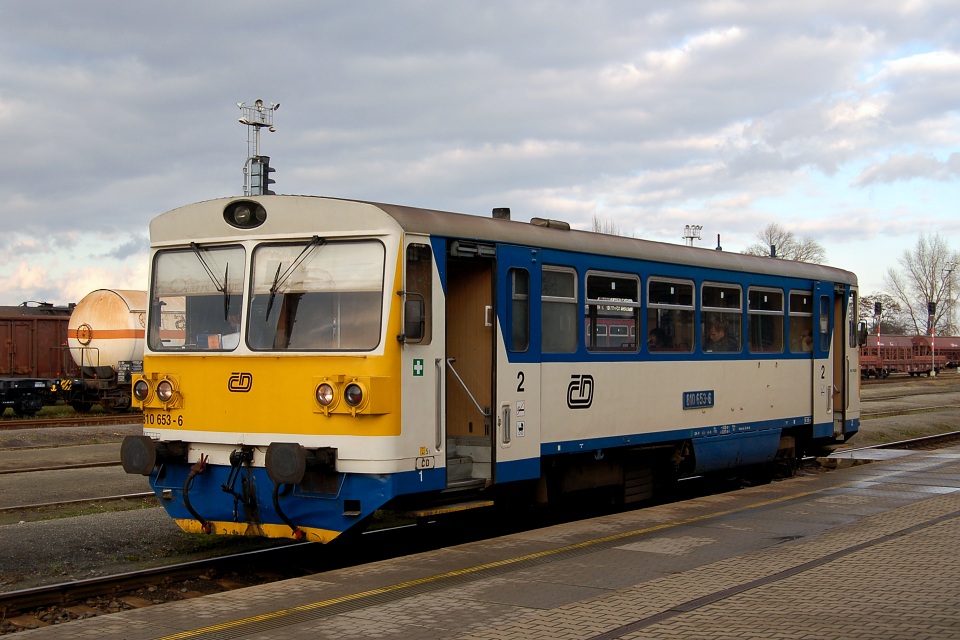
(717, 453)
(347, 499)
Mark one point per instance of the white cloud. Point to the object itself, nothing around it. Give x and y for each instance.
(840, 119)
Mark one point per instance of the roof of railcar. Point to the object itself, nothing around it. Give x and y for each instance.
(22, 311)
(489, 229)
(484, 228)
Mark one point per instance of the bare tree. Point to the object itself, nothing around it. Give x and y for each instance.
(606, 226)
(893, 321)
(788, 246)
(928, 274)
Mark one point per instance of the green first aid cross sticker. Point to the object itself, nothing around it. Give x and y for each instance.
(418, 367)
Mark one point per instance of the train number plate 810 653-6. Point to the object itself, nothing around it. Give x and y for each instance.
(697, 399)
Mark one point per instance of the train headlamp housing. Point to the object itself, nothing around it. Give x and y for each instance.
(244, 214)
(353, 394)
(165, 391)
(141, 390)
(326, 394)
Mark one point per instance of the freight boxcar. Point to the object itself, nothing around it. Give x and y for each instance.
(907, 354)
(32, 356)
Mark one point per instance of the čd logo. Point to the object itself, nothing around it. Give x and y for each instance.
(240, 382)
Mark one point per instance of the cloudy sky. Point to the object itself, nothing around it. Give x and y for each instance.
(840, 120)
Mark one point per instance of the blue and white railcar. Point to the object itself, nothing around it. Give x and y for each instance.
(311, 360)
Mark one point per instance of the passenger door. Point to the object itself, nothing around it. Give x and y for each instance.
(518, 364)
(469, 378)
(825, 393)
(846, 316)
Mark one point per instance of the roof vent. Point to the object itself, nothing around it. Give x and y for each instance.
(550, 224)
(501, 213)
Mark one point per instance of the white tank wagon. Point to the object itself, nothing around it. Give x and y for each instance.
(105, 338)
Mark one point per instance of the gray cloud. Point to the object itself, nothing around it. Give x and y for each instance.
(648, 113)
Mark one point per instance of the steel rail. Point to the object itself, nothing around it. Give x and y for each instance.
(66, 503)
(13, 424)
(65, 592)
(63, 467)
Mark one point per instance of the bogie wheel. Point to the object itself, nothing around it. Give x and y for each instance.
(81, 407)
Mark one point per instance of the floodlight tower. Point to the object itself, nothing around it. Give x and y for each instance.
(257, 170)
(691, 232)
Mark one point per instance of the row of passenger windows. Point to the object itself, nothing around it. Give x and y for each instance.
(612, 315)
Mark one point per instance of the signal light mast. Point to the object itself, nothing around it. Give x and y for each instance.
(257, 169)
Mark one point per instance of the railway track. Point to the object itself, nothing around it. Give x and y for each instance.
(868, 415)
(923, 443)
(9, 424)
(282, 559)
(66, 593)
(79, 501)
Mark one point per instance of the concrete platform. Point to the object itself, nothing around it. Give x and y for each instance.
(871, 455)
(871, 551)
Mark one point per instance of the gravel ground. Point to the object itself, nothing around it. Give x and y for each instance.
(52, 551)
(100, 539)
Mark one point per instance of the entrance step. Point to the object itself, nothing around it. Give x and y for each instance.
(459, 468)
(449, 508)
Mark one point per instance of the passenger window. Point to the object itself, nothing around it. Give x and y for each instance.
(765, 315)
(721, 316)
(670, 315)
(519, 309)
(825, 323)
(418, 298)
(558, 325)
(852, 316)
(613, 312)
(801, 321)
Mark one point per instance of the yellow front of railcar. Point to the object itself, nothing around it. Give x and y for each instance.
(271, 386)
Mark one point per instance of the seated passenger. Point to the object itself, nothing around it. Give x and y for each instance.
(657, 340)
(718, 340)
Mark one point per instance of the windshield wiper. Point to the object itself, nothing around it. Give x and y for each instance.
(273, 291)
(226, 294)
(280, 278)
(222, 288)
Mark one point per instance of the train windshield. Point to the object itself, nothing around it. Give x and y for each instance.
(316, 296)
(196, 297)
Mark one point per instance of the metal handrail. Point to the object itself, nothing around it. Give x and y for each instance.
(450, 361)
(439, 392)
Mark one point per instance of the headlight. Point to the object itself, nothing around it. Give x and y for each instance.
(325, 394)
(244, 214)
(141, 390)
(353, 394)
(164, 391)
